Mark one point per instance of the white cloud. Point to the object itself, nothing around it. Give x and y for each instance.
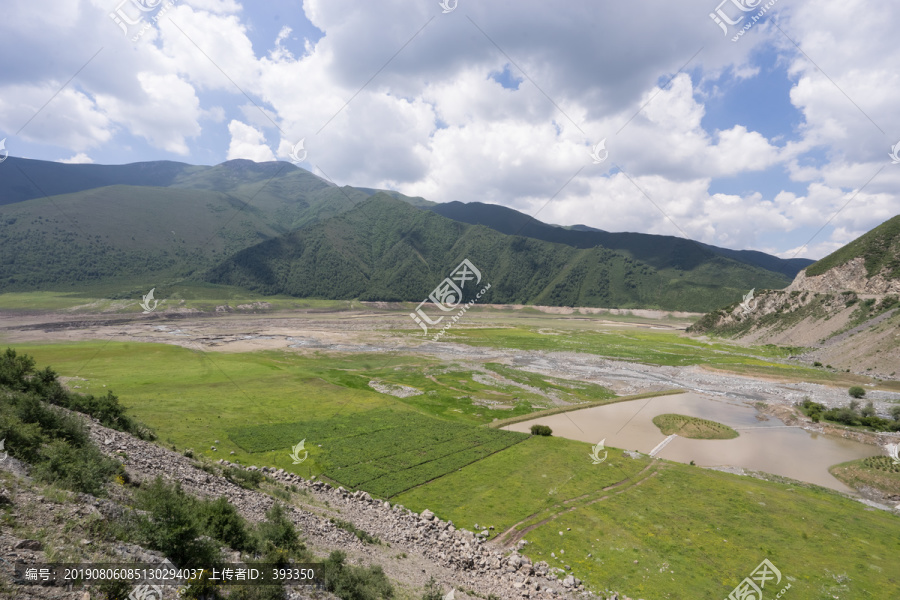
(79, 159)
(431, 121)
(248, 143)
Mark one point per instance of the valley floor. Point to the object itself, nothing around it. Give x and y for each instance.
(229, 385)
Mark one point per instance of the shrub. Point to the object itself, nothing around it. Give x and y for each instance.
(246, 479)
(363, 536)
(868, 410)
(856, 392)
(895, 412)
(258, 592)
(83, 469)
(817, 364)
(845, 415)
(541, 430)
(277, 532)
(173, 525)
(349, 582)
(221, 521)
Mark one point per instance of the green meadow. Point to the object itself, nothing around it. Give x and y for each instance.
(649, 528)
(656, 529)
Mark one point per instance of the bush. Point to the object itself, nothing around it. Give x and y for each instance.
(363, 536)
(83, 469)
(845, 415)
(258, 592)
(349, 582)
(277, 533)
(173, 525)
(895, 412)
(856, 392)
(221, 521)
(541, 430)
(246, 479)
(868, 410)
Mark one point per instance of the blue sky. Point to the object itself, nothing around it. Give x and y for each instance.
(755, 143)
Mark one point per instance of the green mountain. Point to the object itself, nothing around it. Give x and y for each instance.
(121, 232)
(139, 224)
(171, 221)
(660, 251)
(385, 249)
(879, 250)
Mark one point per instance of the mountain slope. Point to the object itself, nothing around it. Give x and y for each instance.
(660, 251)
(121, 232)
(387, 250)
(845, 307)
(25, 179)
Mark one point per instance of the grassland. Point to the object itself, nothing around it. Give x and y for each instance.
(196, 400)
(694, 428)
(668, 530)
(693, 532)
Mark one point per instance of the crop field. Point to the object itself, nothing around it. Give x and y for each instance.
(384, 451)
(877, 471)
(692, 427)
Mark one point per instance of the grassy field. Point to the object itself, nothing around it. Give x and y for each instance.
(195, 399)
(692, 532)
(669, 530)
(694, 428)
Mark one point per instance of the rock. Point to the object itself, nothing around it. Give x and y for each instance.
(232, 452)
(427, 515)
(568, 582)
(213, 448)
(29, 545)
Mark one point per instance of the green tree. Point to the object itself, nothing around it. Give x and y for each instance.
(856, 392)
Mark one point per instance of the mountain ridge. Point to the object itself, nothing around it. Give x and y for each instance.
(658, 250)
(386, 250)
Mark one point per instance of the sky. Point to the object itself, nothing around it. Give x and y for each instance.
(749, 124)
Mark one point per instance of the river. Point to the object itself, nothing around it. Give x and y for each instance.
(765, 443)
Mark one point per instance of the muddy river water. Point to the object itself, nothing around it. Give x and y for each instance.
(763, 445)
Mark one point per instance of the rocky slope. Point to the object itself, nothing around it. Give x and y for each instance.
(415, 546)
(851, 276)
(843, 309)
